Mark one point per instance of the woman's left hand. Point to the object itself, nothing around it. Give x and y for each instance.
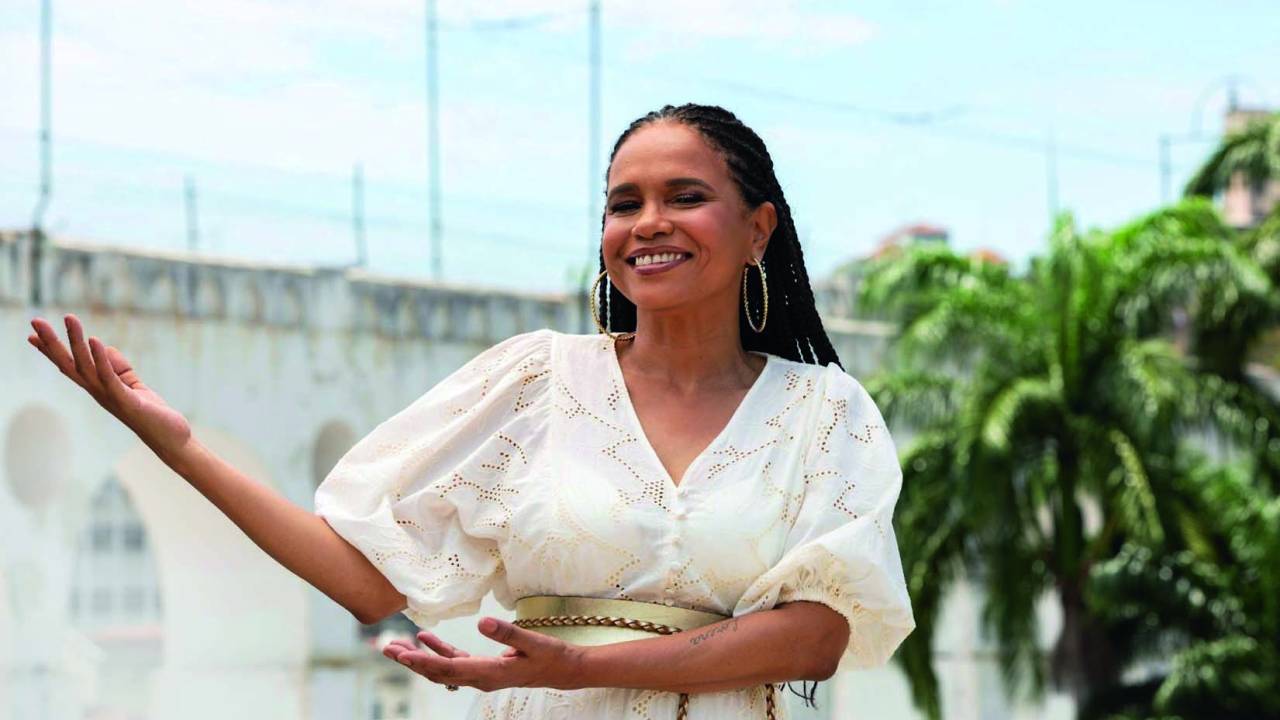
(531, 659)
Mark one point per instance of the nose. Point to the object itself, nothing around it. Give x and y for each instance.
(651, 222)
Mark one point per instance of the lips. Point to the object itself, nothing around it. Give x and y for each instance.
(654, 268)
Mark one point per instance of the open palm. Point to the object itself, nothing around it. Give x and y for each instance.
(108, 377)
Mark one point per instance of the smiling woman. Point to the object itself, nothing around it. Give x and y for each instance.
(700, 167)
(680, 521)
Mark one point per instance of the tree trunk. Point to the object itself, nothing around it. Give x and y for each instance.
(1083, 660)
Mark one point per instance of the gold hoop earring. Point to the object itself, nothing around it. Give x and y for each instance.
(764, 287)
(595, 314)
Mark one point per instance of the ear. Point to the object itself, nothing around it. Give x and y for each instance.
(764, 219)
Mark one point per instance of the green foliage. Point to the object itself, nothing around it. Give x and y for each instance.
(1253, 151)
(1208, 615)
(1043, 397)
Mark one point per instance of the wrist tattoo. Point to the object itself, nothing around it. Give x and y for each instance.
(725, 626)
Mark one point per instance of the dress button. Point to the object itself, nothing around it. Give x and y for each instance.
(681, 514)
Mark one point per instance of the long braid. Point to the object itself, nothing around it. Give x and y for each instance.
(796, 330)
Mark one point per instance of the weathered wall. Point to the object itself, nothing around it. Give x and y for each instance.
(280, 369)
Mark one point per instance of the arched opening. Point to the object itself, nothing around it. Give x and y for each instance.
(234, 621)
(116, 606)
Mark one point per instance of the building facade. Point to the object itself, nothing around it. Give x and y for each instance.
(125, 595)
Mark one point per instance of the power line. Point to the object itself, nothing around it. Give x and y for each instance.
(513, 22)
(433, 143)
(923, 121)
(46, 115)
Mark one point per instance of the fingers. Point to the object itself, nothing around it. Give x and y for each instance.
(80, 352)
(484, 673)
(51, 347)
(441, 662)
(526, 641)
(440, 646)
(107, 376)
(123, 369)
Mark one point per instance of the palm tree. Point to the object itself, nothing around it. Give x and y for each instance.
(1254, 151)
(1037, 399)
(1206, 618)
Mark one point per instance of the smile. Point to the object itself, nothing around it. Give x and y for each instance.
(660, 262)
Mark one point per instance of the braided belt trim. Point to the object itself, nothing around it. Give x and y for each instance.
(682, 709)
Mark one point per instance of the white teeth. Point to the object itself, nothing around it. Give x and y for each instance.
(659, 258)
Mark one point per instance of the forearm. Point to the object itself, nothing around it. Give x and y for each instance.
(299, 540)
(797, 641)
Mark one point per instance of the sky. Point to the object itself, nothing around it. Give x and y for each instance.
(877, 114)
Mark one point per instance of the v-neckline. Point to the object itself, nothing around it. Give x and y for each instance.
(615, 368)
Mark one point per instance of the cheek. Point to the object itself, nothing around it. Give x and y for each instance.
(716, 233)
(614, 239)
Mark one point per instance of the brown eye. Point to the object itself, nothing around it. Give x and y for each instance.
(622, 206)
(689, 198)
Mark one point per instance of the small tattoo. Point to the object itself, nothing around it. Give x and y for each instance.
(716, 630)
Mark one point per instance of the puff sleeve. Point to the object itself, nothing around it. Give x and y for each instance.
(841, 549)
(428, 494)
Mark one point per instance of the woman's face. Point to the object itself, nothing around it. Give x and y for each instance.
(670, 192)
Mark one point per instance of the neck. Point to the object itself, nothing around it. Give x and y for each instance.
(689, 352)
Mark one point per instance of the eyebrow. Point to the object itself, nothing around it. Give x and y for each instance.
(673, 182)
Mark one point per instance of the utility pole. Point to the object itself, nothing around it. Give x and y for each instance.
(357, 214)
(1051, 176)
(189, 205)
(593, 151)
(433, 144)
(46, 117)
(1166, 168)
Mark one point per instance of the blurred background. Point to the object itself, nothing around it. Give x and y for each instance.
(1045, 236)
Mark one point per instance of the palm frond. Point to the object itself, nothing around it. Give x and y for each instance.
(1027, 402)
(1136, 503)
(915, 397)
(1253, 151)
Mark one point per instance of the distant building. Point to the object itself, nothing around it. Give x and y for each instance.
(908, 235)
(1245, 204)
(988, 255)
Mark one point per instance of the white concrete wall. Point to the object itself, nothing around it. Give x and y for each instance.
(280, 369)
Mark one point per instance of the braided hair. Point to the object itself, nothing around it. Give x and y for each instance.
(798, 334)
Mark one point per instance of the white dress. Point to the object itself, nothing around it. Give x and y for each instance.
(526, 472)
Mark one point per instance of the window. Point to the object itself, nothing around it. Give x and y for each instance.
(135, 538)
(115, 576)
(100, 538)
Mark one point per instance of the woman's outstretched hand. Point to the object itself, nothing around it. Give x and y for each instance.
(108, 377)
(530, 660)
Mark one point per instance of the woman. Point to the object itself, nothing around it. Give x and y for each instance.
(682, 514)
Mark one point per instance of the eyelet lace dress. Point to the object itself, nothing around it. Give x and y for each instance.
(526, 472)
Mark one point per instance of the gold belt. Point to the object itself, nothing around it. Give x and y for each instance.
(601, 621)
